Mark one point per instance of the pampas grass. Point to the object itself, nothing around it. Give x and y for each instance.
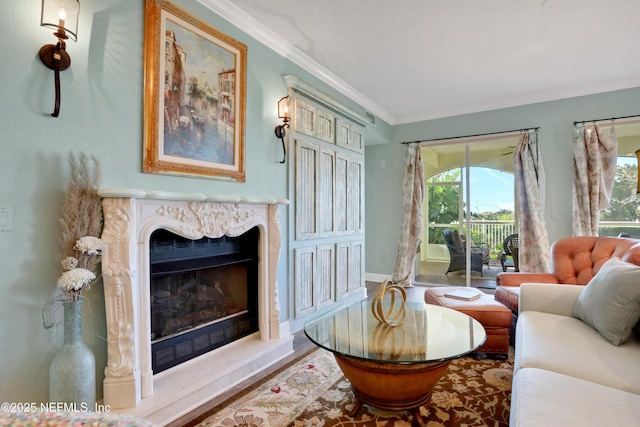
(82, 206)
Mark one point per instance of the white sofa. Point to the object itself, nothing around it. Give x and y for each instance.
(565, 372)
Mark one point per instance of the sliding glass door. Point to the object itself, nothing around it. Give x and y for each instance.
(468, 211)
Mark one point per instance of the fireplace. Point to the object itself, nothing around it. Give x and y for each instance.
(204, 294)
(218, 255)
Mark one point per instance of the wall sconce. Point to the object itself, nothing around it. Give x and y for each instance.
(638, 157)
(281, 131)
(62, 16)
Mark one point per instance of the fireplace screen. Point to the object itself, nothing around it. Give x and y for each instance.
(184, 301)
(204, 294)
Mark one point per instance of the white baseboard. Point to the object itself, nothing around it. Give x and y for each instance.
(375, 277)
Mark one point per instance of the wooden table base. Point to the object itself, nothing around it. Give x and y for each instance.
(392, 386)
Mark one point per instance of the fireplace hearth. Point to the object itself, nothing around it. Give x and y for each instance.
(136, 277)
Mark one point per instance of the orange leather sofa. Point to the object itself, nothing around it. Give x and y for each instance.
(574, 261)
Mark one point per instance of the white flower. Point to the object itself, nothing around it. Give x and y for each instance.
(90, 245)
(74, 280)
(69, 263)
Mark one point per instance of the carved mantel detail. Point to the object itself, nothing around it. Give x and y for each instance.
(130, 218)
(213, 219)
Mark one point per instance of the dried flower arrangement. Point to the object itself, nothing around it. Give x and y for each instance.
(81, 225)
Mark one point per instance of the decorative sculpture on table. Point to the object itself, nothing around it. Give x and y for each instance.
(392, 312)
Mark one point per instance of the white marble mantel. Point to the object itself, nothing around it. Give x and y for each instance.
(130, 216)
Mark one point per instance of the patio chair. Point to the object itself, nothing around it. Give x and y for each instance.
(458, 253)
(510, 249)
(480, 248)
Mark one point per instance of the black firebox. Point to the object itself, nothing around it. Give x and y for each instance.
(204, 294)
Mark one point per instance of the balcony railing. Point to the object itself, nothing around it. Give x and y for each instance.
(488, 232)
(492, 232)
(615, 228)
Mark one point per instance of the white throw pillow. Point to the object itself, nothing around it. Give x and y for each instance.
(610, 302)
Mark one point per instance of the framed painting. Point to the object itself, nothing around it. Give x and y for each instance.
(194, 96)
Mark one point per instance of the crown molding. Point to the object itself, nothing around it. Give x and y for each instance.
(270, 39)
(317, 95)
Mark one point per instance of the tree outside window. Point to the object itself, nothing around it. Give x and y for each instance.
(625, 204)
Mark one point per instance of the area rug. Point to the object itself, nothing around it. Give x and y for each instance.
(313, 391)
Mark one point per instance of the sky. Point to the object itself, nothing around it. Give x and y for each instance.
(491, 190)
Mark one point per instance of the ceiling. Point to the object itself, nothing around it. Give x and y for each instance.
(413, 60)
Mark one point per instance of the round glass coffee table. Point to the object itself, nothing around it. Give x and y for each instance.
(395, 367)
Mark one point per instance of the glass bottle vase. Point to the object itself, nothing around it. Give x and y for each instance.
(72, 375)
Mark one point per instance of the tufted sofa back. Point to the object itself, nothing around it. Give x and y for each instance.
(575, 260)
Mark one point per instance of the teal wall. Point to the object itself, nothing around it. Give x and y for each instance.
(101, 114)
(555, 119)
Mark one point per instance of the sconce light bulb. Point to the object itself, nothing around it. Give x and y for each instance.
(62, 16)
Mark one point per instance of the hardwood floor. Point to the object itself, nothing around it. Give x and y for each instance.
(301, 345)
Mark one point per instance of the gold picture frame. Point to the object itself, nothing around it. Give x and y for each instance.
(194, 96)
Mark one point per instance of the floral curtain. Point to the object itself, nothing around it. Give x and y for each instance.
(529, 179)
(411, 226)
(595, 160)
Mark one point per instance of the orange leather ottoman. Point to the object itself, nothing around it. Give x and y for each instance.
(495, 317)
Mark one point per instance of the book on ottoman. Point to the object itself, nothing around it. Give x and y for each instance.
(463, 294)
